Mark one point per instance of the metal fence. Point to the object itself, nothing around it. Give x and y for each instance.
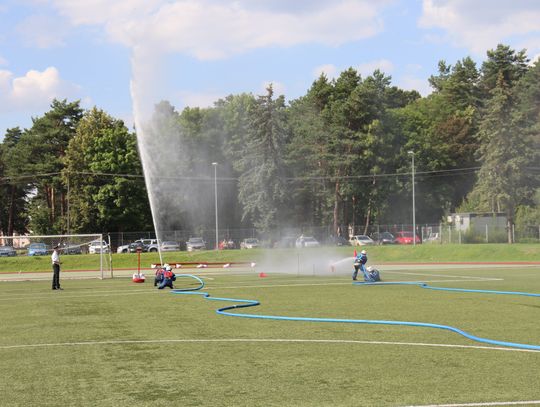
(428, 233)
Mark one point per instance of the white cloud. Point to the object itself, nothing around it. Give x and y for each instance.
(329, 70)
(33, 91)
(98, 12)
(409, 82)
(211, 29)
(199, 99)
(368, 68)
(481, 24)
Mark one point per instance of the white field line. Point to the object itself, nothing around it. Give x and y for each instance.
(109, 293)
(258, 340)
(441, 275)
(492, 403)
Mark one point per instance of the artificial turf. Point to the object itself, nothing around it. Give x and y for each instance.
(116, 343)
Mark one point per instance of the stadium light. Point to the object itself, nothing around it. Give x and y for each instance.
(413, 199)
(215, 203)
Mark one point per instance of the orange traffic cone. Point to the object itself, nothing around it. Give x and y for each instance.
(262, 275)
(354, 254)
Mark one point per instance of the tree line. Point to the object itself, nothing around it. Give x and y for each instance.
(338, 155)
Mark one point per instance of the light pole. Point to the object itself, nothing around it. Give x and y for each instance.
(413, 199)
(215, 202)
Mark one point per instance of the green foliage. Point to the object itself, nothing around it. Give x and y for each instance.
(13, 190)
(334, 157)
(261, 186)
(505, 154)
(44, 146)
(100, 164)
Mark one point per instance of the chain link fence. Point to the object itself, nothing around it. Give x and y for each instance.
(286, 237)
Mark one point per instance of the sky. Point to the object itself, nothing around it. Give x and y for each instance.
(113, 53)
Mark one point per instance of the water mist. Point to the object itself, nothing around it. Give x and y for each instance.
(180, 189)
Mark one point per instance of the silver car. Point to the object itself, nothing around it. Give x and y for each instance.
(307, 241)
(170, 246)
(7, 251)
(195, 243)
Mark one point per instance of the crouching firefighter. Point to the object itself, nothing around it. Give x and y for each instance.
(158, 279)
(168, 278)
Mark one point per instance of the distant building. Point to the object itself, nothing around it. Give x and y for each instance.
(477, 221)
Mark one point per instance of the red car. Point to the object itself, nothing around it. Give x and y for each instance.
(406, 238)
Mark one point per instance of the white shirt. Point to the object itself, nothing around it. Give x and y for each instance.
(55, 257)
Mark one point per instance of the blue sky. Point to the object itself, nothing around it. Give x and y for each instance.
(123, 56)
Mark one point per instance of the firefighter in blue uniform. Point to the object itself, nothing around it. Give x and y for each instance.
(360, 264)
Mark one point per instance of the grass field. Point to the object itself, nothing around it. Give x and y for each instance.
(115, 343)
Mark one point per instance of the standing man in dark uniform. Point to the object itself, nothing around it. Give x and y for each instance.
(55, 258)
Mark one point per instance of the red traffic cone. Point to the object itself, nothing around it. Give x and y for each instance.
(262, 275)
(354, 254)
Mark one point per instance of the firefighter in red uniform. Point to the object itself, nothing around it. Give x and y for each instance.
(158, 279)
(168, 278)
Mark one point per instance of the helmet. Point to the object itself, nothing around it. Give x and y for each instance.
(168, 268)
(363, 252)
(370, 269)
(166, 265)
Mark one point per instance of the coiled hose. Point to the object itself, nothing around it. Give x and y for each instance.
(243, 303)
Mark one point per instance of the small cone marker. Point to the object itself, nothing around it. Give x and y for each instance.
(354, 253)
(262, 275)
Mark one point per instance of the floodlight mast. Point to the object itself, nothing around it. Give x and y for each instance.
(413, 199)
(215, 204)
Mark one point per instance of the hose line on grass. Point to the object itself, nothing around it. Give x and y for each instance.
(243, 303)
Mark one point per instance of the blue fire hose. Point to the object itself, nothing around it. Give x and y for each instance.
(243, 303)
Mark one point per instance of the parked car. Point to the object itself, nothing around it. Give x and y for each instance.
(7, 251)
(170, 246)
(151, 244)
(195, 243)
(67, 248)
(37, 249)
(383, 238)
(97, 247)
(406, 238)
(136, 246)
(249, 243)
(285, 242)
(432, 237)
(338, 241)
(306, 241)
(226, 244)
(361, 240)
(146, 245)
(123, 248)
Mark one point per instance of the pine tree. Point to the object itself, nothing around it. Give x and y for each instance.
(504, 153)
(262, 189)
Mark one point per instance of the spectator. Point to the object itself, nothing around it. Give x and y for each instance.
(55, 258)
